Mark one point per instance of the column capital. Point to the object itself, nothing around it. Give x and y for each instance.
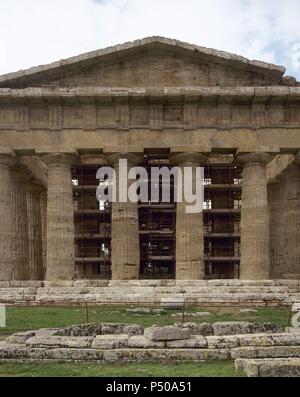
(254, 158)
(8, 159)
(133, 159)
(21, 173)
(59, 158)
(297, 158)
(188, 158)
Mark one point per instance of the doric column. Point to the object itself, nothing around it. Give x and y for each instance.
(254, 217)
(35, 231)
(277, 226)
(189, 227)
(21, 267)
(60, 217)
(6, 224)
(291, 220)
(125, 245)
(43, 207)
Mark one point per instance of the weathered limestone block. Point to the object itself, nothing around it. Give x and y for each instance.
(173, 302)
(189, 226)
(140, 310)
(197, 354)
(196, 342)
(132, 355)
(222, 342)
(110, 341)
(278, 351)
(20, 337)
(60, 341)
(280, 367)
(231, 327)
(140, 341)
(60, 217)
(81, 330)
(203, 329)
(117, 329)
(77, 354)
(264, 328)
(20, 353)
(9, 351)
(169, 332)
(283, 339)
(93, 329)
(254, 217)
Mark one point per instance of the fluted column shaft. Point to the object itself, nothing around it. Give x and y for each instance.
(35, 231)
(43, 207)
(254, 217)
(6, 225)
(189, 227)
(125, 245)
(20, 225)
(60, 218)
(277, 227)
(291, 218)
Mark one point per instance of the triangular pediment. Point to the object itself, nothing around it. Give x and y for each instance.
(149, 62)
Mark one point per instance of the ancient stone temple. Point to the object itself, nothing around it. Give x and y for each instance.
(153, 101)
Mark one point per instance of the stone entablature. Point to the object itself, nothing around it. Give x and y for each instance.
(140, 108)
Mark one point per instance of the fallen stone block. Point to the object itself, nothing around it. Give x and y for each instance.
(140, 341)
(263, 328)
(60, 341)
(159, 311)
(139, 310)
(222, 342)
(203, 329)
(169, 332)
(133, 355)
(20, 337)
(197, 342)
(93, 329)
(197, 354)
(176, 302)
(118, 328)
(280, 367)
(110, 341)
(199, 314)
(231, 327)
(265, 352)
(283, 339)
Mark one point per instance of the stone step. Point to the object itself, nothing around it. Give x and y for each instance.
(265, 352)
(277, 367)
(295, 284)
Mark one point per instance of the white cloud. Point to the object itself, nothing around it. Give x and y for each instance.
(296, 55)
(40, 31)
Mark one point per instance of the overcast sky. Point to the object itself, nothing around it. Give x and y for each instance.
(34, 32)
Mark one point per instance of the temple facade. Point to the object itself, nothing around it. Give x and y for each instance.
(161, 102)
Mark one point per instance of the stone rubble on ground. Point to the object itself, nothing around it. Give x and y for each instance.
(169, 332)
(277, 367)
(179, 342)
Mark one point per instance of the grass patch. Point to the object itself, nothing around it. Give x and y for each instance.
(202, 369)
(29, 318)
